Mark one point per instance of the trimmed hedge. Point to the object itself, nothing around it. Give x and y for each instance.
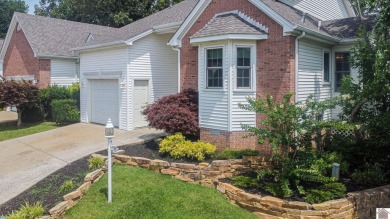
(50, 94)
(65, 111)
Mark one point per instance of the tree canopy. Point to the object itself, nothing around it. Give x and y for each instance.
(7, 9)
(114, 13)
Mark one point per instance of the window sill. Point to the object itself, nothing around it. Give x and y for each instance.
(213, 90)
(243, 90)
(326, 84)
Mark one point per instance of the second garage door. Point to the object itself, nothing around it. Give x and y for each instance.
(104, 101)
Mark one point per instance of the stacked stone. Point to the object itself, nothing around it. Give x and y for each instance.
(71, 199)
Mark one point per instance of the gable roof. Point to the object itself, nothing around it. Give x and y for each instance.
(55, 37)
(172, 16)
(348, 28)
(229, 23)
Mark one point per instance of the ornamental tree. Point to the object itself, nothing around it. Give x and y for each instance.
(175, 113)
(21, 94)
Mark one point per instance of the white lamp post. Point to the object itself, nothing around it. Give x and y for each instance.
(109, 132)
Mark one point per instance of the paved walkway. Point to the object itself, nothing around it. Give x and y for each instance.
(25, 161)
(8, 116)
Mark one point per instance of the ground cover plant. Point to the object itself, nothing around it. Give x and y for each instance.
(10, 130)
(27, 211)
(140, 193)
(236, 154)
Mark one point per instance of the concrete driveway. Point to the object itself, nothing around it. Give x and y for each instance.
(8, 116)
(25, 161)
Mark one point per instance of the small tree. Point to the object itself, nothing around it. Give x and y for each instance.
(175, 113)
(21, 94)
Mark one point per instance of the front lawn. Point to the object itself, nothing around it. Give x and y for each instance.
(10, 130)
(140, 193)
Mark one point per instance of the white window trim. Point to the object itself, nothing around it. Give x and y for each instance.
(205, 48)
(327, 83)
(252, 46)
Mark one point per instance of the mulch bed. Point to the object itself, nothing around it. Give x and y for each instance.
(47, 191)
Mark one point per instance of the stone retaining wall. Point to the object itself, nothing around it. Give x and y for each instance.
(356, 205)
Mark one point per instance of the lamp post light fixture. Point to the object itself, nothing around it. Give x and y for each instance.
(109, 133)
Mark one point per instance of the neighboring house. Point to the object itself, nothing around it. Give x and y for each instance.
(382, 214)
(228, 50)
(38, 48)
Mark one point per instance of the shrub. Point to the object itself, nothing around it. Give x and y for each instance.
(51, 93)
(236, 154)
(95, 162)
(67, 186)
(178, 147)
(27, 211)
(65, 111)
(74, 90)
(175, 113)
(34, 114)
(371, 176)
(245, 182)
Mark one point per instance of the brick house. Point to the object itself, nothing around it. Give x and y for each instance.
(38, 49)
(226, 49)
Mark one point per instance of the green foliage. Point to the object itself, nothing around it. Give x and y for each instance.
(27, 211)
(7, 9)
(371, 176)
(67, 186)
(178, 147)
(101, 12)
(65, 111)
(95, 162)
(51, 93)
(288, 125)
(236, 154)
(34, 114)
(74, 90)
(245, 182)
(21, 94)
(326, 192)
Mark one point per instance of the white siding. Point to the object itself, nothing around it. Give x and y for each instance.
(219, 108)
(310, 72)
(100, 63)
(150, 58)
(322, 9)
(64, 72)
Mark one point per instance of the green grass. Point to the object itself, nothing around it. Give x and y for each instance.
(10, 130)
(141, 193)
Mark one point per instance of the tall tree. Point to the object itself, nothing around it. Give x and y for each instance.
(46, 7)
(7, 9)
(114, 13)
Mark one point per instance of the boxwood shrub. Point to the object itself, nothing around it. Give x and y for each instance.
(65, 111)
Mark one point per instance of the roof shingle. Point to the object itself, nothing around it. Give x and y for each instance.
(230, 23)
(348, 28)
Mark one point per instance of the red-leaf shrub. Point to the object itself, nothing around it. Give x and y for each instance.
(175, 113)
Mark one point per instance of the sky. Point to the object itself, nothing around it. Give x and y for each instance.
(31, 4)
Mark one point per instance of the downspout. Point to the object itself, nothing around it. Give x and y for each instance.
(178, 68)
(296, 63)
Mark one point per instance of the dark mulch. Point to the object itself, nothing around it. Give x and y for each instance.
(47, 192)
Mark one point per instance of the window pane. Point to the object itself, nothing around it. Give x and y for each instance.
(342, 68)
(326, 67)
(214, 78)
(243, 56)
(243, 78)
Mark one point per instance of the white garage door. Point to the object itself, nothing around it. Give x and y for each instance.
(141, 96)
(104, 101)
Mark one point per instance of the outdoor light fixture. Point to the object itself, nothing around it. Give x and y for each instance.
(109, 132)
(336, 171)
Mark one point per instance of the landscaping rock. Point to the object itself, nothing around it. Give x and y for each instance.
(75, 195)
(185, 166)
(93, 175)
(298, 205)
(269, 201)
(203, 164)
(170, 172)
(59, 209)
(183, 178)
(221, 163)
(122, 158)
(249, 198)
(230, 188)
(160, 163)
(141, 161)
(84, 187)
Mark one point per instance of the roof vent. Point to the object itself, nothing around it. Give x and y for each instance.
(319, 24)
(303, 18)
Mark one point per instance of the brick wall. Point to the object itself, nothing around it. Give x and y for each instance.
(275, 64)
(19, 60)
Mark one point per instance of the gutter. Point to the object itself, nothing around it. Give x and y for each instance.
(41, 56)
(115, 43)
(319, 35)
(178, 67)
(296, 63)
